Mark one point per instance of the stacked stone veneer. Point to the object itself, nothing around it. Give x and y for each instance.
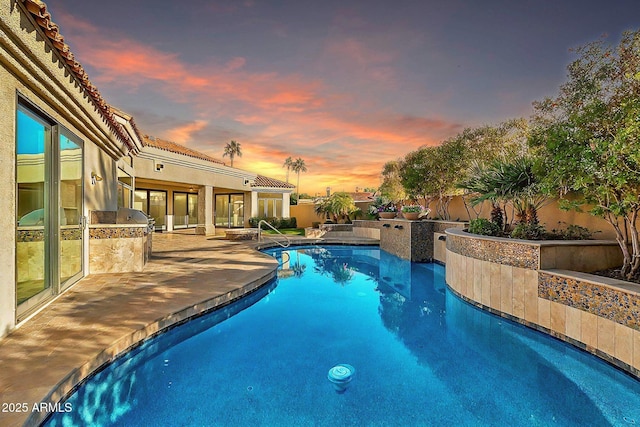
(621, 305)
(534, 284)
(410, 240)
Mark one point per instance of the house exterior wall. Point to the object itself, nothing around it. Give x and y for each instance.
(30, 69)
(178, 168)
(305, 215)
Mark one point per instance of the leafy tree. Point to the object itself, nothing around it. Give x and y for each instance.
(298, 166)
(232, 149)
(482, 146)
(447, 165)
(415, 174)
(391, 187)
(588, 138)
(288, 163)
(430, 173)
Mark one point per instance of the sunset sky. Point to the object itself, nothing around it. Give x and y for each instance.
(345, 85)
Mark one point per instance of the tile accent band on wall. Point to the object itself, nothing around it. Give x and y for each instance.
(613, 304)
(117, 232)
(500, 251)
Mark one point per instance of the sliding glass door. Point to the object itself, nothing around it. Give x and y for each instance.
(229, 211)
(185, 210)
(50, 194)
(154, 204)
(71, 219)
(34, 229)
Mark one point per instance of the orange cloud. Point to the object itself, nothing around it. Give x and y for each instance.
(343, 138)
(182, 134)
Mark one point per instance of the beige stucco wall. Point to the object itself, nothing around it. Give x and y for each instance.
(31, 68)
(551, 216)
(7, 202)
(305, 215)
(178, 168)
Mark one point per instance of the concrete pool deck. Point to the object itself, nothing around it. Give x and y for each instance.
(105, 314)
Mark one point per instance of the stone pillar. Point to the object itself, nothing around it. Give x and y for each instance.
(286, 202)
(205, 211)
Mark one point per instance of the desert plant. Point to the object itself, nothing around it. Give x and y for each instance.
(529, 231)
(412, 208)
(338, 206)
(484, 227)
(573, 232)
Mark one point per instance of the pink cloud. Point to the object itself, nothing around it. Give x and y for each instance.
(235, 64)
(276, 115)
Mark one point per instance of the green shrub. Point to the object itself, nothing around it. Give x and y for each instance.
(573, 232)
(274, 222)
(529, 231)
(484, 227)
(287, 223)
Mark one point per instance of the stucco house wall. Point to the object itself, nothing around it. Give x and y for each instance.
(33, 70)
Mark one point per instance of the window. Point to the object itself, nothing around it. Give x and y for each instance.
(125, 189)
(270, 205)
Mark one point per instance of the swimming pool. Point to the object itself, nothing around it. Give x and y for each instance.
(421, 356)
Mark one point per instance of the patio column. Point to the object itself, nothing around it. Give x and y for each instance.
(286, 202)
(205, 211)
(254, 204)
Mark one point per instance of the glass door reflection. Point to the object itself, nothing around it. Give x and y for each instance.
(237, 210)
(222, 210)
(71, 209)
(33, 230)
(229, 211)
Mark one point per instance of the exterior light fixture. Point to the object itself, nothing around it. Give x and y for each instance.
(95, 178)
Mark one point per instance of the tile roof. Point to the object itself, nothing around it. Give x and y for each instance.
(161, 144)
(42, 17)
(265, 181)
(361, 196)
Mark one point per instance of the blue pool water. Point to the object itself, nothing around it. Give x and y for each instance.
(421, 357)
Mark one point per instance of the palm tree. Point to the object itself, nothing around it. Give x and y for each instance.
(339, 206)
(298, 166)
(288, 163)
(232, 149)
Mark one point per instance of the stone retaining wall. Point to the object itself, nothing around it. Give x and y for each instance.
(594, 313)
